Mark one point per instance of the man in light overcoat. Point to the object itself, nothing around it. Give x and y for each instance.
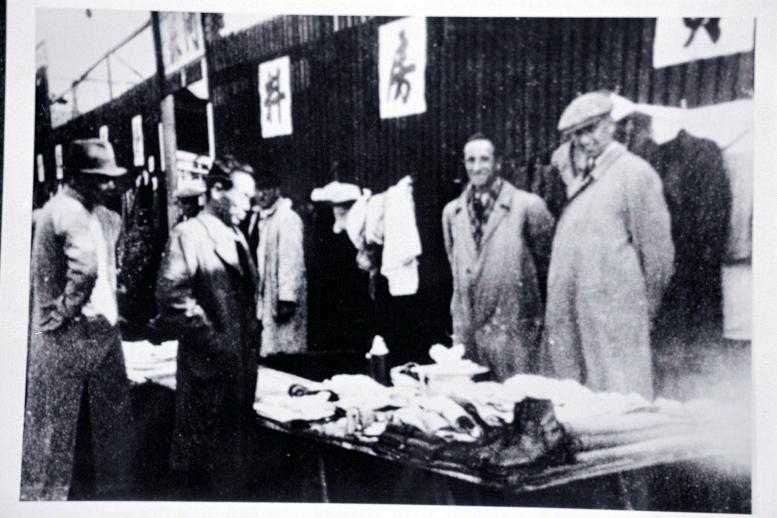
(498, 243)
(75, 356)
(277, 232)
(612, 257)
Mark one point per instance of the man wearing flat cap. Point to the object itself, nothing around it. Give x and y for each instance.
(276, 234)
(75, 363)
(498, 242)
(612, 256)
(206, 297)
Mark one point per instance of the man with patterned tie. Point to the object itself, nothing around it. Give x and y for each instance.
(206, 296)
(498, 243)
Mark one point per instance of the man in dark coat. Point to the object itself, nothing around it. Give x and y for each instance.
(206, 296)
(75, 350)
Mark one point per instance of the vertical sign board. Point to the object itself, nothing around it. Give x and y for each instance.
(182, 39)
(275, 97)
(680, 40)
(138, 152)
(58, 161)
(402, 67)
(104, 133)
(41, 170)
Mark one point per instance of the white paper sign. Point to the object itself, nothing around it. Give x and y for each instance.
(275, 97)
(58, 161)
(402, 67)
(138, 152)
(41, 170)
(104, 133)
(679, 40)
(182, 39)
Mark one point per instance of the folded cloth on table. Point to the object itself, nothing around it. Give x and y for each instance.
(271, 382)
(571, 400)
(285, 409)
(147, 362)
(363, 392)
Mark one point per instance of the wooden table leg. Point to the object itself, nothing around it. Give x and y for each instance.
(322, 477)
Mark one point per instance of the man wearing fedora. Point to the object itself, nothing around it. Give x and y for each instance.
(75, 362)
(206, 297)
(612, 256)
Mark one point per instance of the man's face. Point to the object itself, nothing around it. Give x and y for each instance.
(232, 205)
(479, 161)
(593, 139)
(98, 188)
(266, 196)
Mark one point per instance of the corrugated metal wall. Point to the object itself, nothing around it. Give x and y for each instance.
(508, 77)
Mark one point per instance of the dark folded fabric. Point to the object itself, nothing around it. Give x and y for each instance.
(533, 440)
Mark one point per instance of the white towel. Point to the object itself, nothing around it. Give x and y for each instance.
(402, 244)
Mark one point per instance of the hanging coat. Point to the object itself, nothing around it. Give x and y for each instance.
(205, 294)
(699, 201)
(612, 259)
(497, 304)
(284, 279)
(72, 349)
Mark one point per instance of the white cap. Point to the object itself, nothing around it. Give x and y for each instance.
(336, 192)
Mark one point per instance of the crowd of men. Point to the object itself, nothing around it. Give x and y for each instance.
(575, 296)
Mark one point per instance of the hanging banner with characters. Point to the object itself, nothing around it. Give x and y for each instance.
(679, 40)
(402, 67)
(275, 97)
(182, 39)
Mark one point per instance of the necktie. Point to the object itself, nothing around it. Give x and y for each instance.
(589, 166)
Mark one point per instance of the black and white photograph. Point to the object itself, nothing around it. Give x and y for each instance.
(428, 261)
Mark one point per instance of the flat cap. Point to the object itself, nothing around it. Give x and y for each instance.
(584, 110)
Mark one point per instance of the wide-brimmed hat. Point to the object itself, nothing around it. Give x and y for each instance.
(93, 156)
(584, 111)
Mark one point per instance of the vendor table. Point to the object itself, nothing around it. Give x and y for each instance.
(683, 469)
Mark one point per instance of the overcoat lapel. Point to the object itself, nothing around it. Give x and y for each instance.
(223, 240)
(463, 227)
(502, 206)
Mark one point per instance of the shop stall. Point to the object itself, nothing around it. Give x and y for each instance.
(530, 440)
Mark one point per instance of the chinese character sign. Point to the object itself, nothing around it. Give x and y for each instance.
(138, 152)
(402, 67)
(679, 40)
(275, 97)
(182, 39)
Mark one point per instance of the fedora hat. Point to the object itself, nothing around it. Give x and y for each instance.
(93, 156)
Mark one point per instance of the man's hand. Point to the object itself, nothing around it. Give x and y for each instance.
(286, 310)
